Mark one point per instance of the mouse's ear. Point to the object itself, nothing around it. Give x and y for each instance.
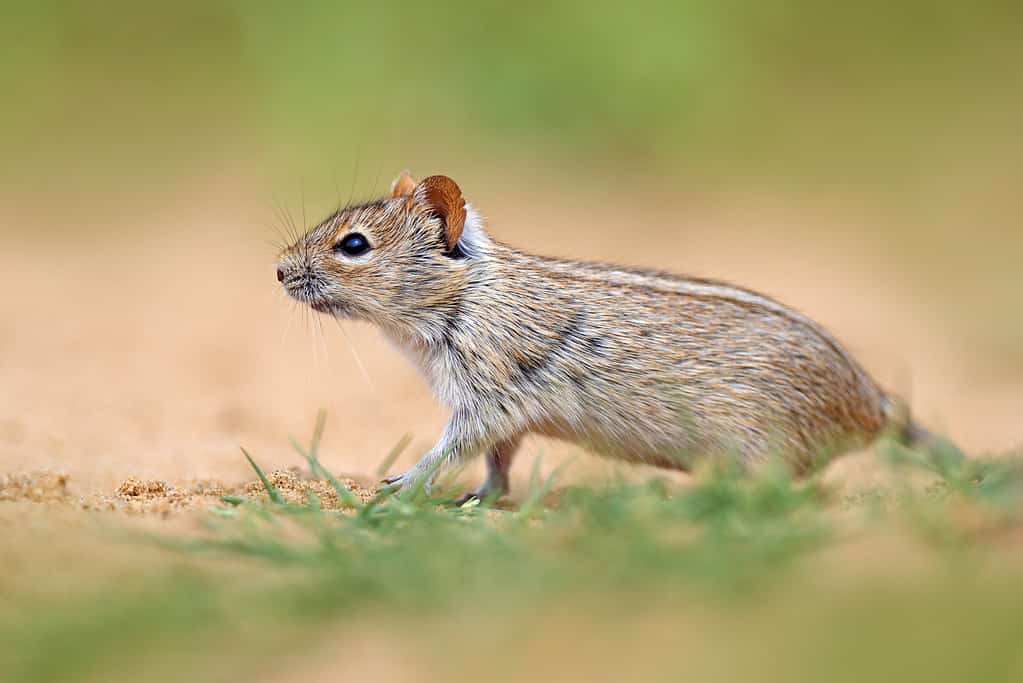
(403, 185)
(442, 196)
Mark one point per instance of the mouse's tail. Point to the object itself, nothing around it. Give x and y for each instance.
(909, 432)
(899, 422)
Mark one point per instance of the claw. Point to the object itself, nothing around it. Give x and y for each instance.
(400, 484)
(416, 478)
(466, 497)
(483, 495)
(391, 484)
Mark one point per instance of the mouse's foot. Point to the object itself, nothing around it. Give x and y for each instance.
(389, 484)
(403, 485)
(466, 497)
(397, 484)
(484, 494)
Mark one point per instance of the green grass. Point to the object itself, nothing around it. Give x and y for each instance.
(751, 559)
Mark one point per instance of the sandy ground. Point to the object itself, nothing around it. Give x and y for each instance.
(154, 355)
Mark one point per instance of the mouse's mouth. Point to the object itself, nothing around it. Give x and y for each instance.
(308, 289)
(303, 291)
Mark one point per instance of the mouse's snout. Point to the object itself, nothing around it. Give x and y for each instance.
(289, 272)
(299, 278)
(291, 269)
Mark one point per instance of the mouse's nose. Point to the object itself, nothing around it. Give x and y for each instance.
(280, 274)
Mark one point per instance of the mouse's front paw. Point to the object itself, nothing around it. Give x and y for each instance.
(392, 484)
(405, 485)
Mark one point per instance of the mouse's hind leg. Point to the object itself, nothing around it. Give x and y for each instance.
(499, 460)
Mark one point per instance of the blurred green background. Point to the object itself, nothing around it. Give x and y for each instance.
(858, 93)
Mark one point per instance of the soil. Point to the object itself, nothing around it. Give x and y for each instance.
(155, 497)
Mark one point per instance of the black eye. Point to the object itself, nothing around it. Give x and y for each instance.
(353, 244)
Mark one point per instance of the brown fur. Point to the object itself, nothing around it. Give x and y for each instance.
(639, 365)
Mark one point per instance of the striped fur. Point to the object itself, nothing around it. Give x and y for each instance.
(643, 366)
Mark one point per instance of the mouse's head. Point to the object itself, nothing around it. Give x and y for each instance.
(397, 261)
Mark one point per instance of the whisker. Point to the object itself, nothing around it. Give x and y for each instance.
(278, 213)
(376, 181)
(276, 243)
(298, 232)
(355, 171)
(306, 324)
(292, 223)
(322, 339)
(284, 216)
(301, 194)
(290, 234)
(287, 325)
(337, 189)
(355, 353)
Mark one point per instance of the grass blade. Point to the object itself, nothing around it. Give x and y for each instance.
(316, 469)
(274, 494)
(314, 445)
(386, 463)
(538, 489)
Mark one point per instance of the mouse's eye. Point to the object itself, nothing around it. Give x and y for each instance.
(353, 244)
